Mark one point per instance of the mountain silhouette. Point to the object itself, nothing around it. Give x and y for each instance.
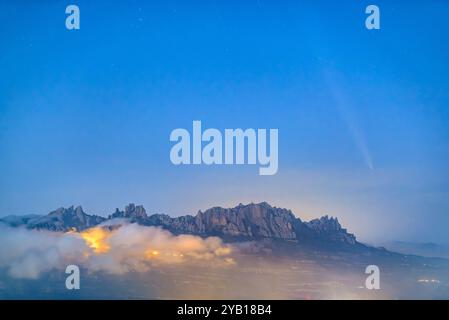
(243, 222)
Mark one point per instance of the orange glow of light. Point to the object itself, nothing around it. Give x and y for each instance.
(96, 238)
(152, 253)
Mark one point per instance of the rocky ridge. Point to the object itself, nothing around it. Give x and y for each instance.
(252, 221)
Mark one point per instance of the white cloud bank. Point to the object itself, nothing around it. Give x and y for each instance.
(130, 247)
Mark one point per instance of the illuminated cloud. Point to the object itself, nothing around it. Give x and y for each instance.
(130, 247)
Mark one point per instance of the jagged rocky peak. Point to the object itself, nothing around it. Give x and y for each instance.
(60, 211)
(78, 211)
(330, 229)
(131, 212)
(261, 220)
(64, 219)
(262, 208)
(253, 220)
(325, 224)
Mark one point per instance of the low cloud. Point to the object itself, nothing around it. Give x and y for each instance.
(117, 249)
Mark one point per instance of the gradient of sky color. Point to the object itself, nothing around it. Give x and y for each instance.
(363, 116)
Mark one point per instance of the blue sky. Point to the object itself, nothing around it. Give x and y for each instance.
(85, 116)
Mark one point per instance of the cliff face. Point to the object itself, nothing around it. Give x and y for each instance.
(131, 212)
(252, 222)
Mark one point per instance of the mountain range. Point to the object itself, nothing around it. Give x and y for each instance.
(243, 222)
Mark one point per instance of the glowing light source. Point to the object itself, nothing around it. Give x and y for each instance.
(150, 253)
(96, 238)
